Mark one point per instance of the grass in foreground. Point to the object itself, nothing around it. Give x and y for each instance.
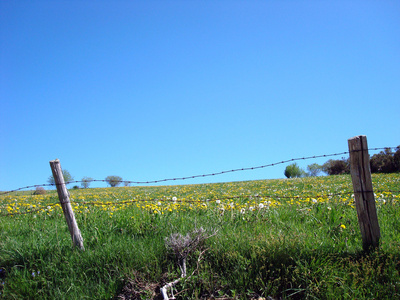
(304, 243)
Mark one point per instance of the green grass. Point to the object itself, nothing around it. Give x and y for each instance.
(290, 248)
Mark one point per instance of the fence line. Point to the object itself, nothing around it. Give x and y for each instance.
(202, 175)
(362, 197)
(310, 196)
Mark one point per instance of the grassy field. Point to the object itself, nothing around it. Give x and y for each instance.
(276, 239)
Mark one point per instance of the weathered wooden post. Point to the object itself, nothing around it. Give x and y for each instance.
(63, 195)
(363, 192)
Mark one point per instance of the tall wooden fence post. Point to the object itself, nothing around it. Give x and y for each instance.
(63, 195)
(363, 192)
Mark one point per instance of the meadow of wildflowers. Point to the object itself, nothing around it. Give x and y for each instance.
(239, 196)
(288, 238)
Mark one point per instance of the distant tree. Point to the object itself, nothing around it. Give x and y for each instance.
(294, 170)
(86, 182)
(336, 167)
(113, 180)
(127, 183)
(67, 177)
(314, 169)
(385, 161)
(39, 191)
(396, 157)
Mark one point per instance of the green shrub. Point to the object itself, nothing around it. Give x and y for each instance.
(86, 182)
(386, 161)
(39, 191)
(67, 177)
(336, 167)
(113, 180)
(397, 158)
(314, 169)
(293, 171)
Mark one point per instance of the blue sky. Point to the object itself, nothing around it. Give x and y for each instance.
(148, 90)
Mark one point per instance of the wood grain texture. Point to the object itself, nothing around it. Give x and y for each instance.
(363, 192)
(63, 196)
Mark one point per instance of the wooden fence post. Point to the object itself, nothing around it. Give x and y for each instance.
(363, 192)
(63, 195)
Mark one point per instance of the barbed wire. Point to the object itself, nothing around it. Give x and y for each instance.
(250, 197)
(199, 176)
(243, 169)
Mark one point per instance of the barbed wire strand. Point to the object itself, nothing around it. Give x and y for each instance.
(202, 175)
(99, 203)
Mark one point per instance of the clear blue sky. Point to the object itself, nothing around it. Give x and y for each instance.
(148, 90)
